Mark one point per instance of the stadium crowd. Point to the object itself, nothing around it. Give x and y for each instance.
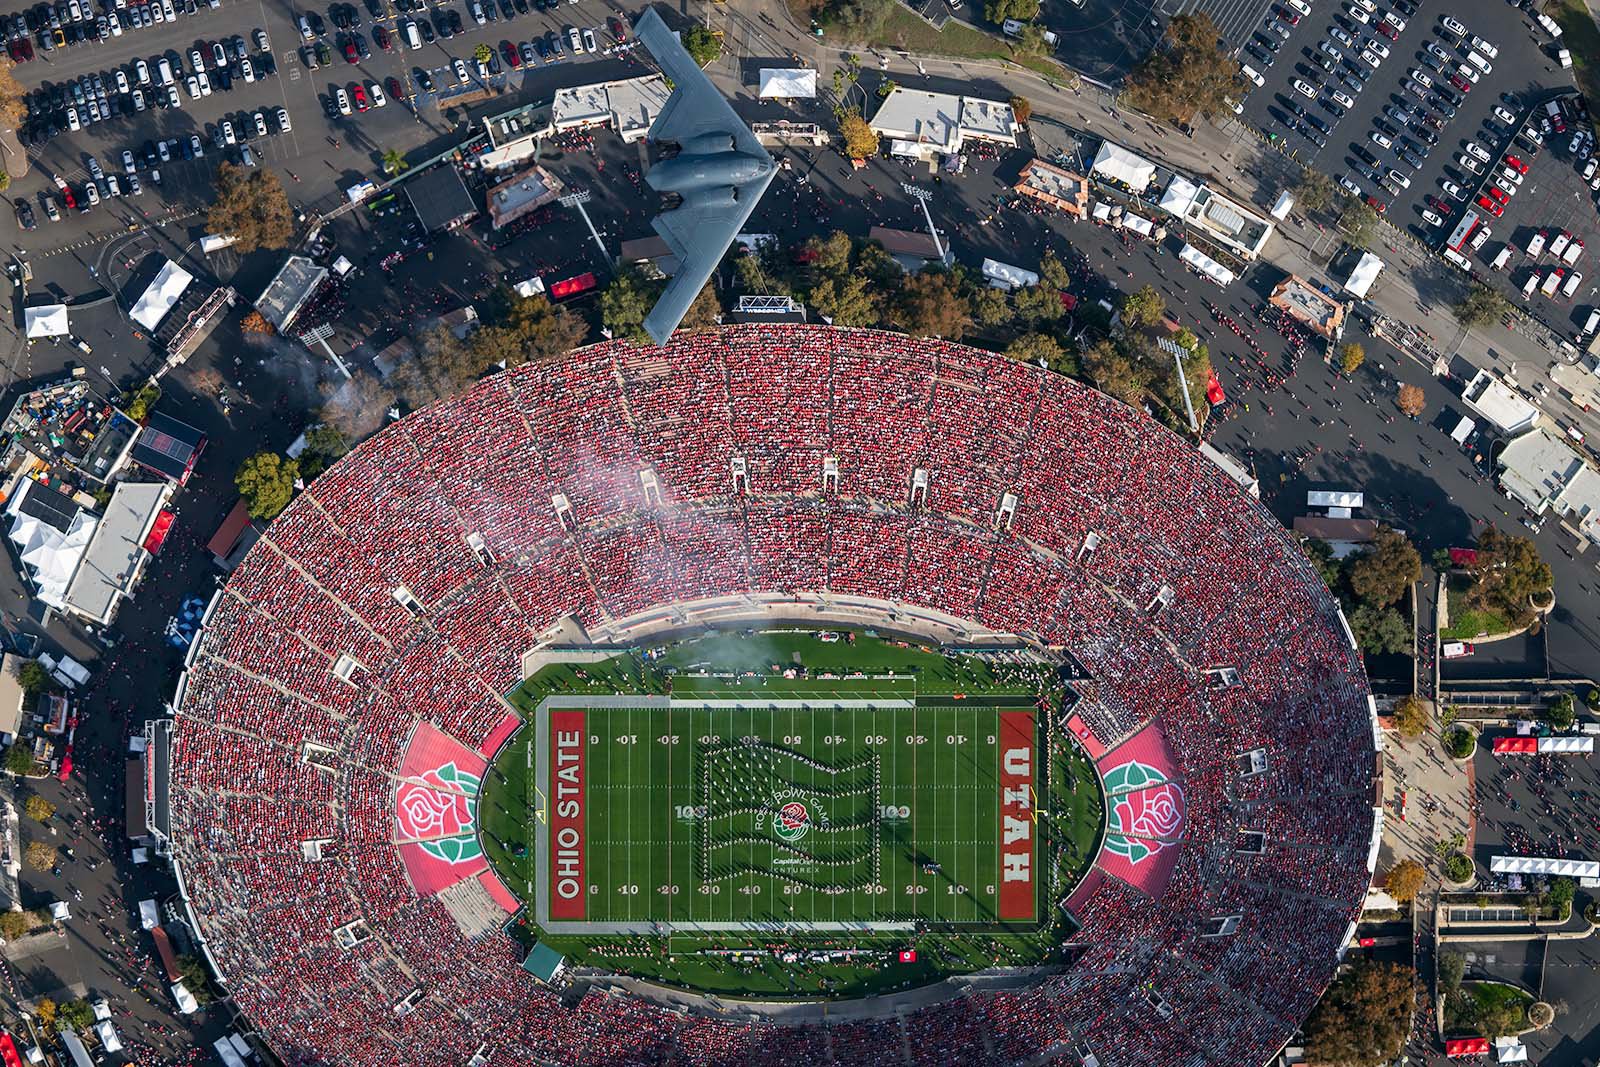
(431, 558)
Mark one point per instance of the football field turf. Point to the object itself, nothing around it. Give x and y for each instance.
(862, 809)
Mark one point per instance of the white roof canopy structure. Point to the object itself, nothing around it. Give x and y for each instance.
(1206, 265)
(161, 295)
(48, 320)
(784, 83)
(50, 550)
(1365, 273)
(1005, 276)
(1557, 745)
(1510, 1050)
(1544, 865)
(1117, 163)
(1179, 196)
(1138, 224)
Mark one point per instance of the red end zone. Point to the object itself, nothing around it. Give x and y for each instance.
(567, 743)
(1017, 829)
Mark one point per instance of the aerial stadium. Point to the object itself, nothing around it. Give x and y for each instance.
(785, 694)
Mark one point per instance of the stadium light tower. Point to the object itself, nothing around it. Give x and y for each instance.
(577, 198)
(922, 196)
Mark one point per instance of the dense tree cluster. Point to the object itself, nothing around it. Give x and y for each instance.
(251, 207)
(1508, 577)
(1364, 1016)
(1189, 74)
(1369, 585)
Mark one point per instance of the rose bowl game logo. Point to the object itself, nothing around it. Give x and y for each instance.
(792, 822)
(1146, 813)
(440, 812)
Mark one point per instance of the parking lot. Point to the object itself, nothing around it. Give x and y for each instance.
(1426, 126)
(415, 83)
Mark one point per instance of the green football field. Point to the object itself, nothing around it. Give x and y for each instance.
(799, 813)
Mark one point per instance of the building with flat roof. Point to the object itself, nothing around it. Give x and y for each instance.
(525, 191)
(922, 125)
(1227, 222)
(1541, 471)
(116, 555)
(1504, 407)
(168, 447)
(440, 198)
(286, 294)
(1309, 306)
(1055, 187)
(909, 248)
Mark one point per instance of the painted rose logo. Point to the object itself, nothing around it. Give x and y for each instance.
(792, 822)
(1154, 812)
(443, 804)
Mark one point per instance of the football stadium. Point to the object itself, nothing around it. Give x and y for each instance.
(787, 693)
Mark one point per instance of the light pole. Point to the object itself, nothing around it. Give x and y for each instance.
(577, 198)
(922, 196)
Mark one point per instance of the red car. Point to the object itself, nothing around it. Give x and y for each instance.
(1461, 84)
(509, 50)
(359, 95)
(350, 55)
(67, 197)
(1440, 205)
(1490, 206)
(1516, 164)
(1377, 205)
(1285, 15)
(1499, 194)
(396, 90)
(618, 29)
(1388, 31)
(381, 36)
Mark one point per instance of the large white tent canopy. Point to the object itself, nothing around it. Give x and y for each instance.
(785, 83)
(1206, 265)
(1179, 196)
(48, 320)
(1117, 163)
(1544, 865)
(162, 295)
(1365, 273)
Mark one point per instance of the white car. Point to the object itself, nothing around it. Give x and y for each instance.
(1340, 35)
(1366, 5)
(205, 83)
(588, 40)
(247, 70)
(74, 123)
(1330, 51)
(1476, 151)
(1381, 139)
(92, 191)
(262, 44)
(1452, 190)
(122, 81)
(1480, 45)
(196, 60)
(376, 92)
(1503, 115)
(260, 123)
(1304, 90)
(1469, 163)
(461, 71)
(1379, 47)
(173, 99)
(112, 185)
(1300, 6)
(1357, 15)
(1420, 76)
(193, 86)
(1344, 99)
(283, 120)
(575, 40)
(164, 150)
(342, 99)
(1400, 179)
(227, 132)
(168, 10)
(1453, 25)
(1251, 75)
(1371, 58)
(1394, 20)
(1464, 71)
(1437, 51)
(1431, 218)
(128, 164)
(138, 99)
(141, 72)
(1349, 185)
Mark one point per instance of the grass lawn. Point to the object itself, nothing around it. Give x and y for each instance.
(1467, 623)
(1580, 34)
(905, 31)
(1487, 1008)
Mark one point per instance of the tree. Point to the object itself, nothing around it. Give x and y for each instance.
(625, 303)
(1411, 717)
(1114, 372)
(1561, 713)
(75, 1015)
(1480, 307)
(1053, 273)
(705, 312)
(266, 481)
(34, 679)
(931, 305)
(998, 11)
(14, 924)
(252, 207)
(40, 856)
(19, 759)
(1562, 890)
(1380, 631)
(38, 808)
(324, 444)
(46, 1010)
(547, 330)
(1021, 106)
(1404, 880)
(1452, 968)
(1364, 1016)
(1031, 41)
(1036, 348)
(1320, 553)
(483, 53)
(491, 347)
(702, 45)
(1358, 222)
(845, 301)
(1382, 574)
(358, 407)
(1506, 575)
(1145, 307)
(255, 322)
(1037, 304)
(1316, 191)
(1188, 75)
(13, 99)
(860, 141)
(1351, 356)
(861, 19)
(137, 405)
(394, 161)
(5, 181)
(196, 977)
(990, 307)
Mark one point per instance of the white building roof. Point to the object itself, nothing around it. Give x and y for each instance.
(1006, 276)
(162, 293)
(1499, 403)
(635, 103)
(932, 120)
(1119, 164)
(988, 120)
(1365, 273)
(786, 83)
(112, 558)
(1539, 470)
(49, 320)
(580, 105)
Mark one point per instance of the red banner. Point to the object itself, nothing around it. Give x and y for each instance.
(567, 744)
(1017, 828)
